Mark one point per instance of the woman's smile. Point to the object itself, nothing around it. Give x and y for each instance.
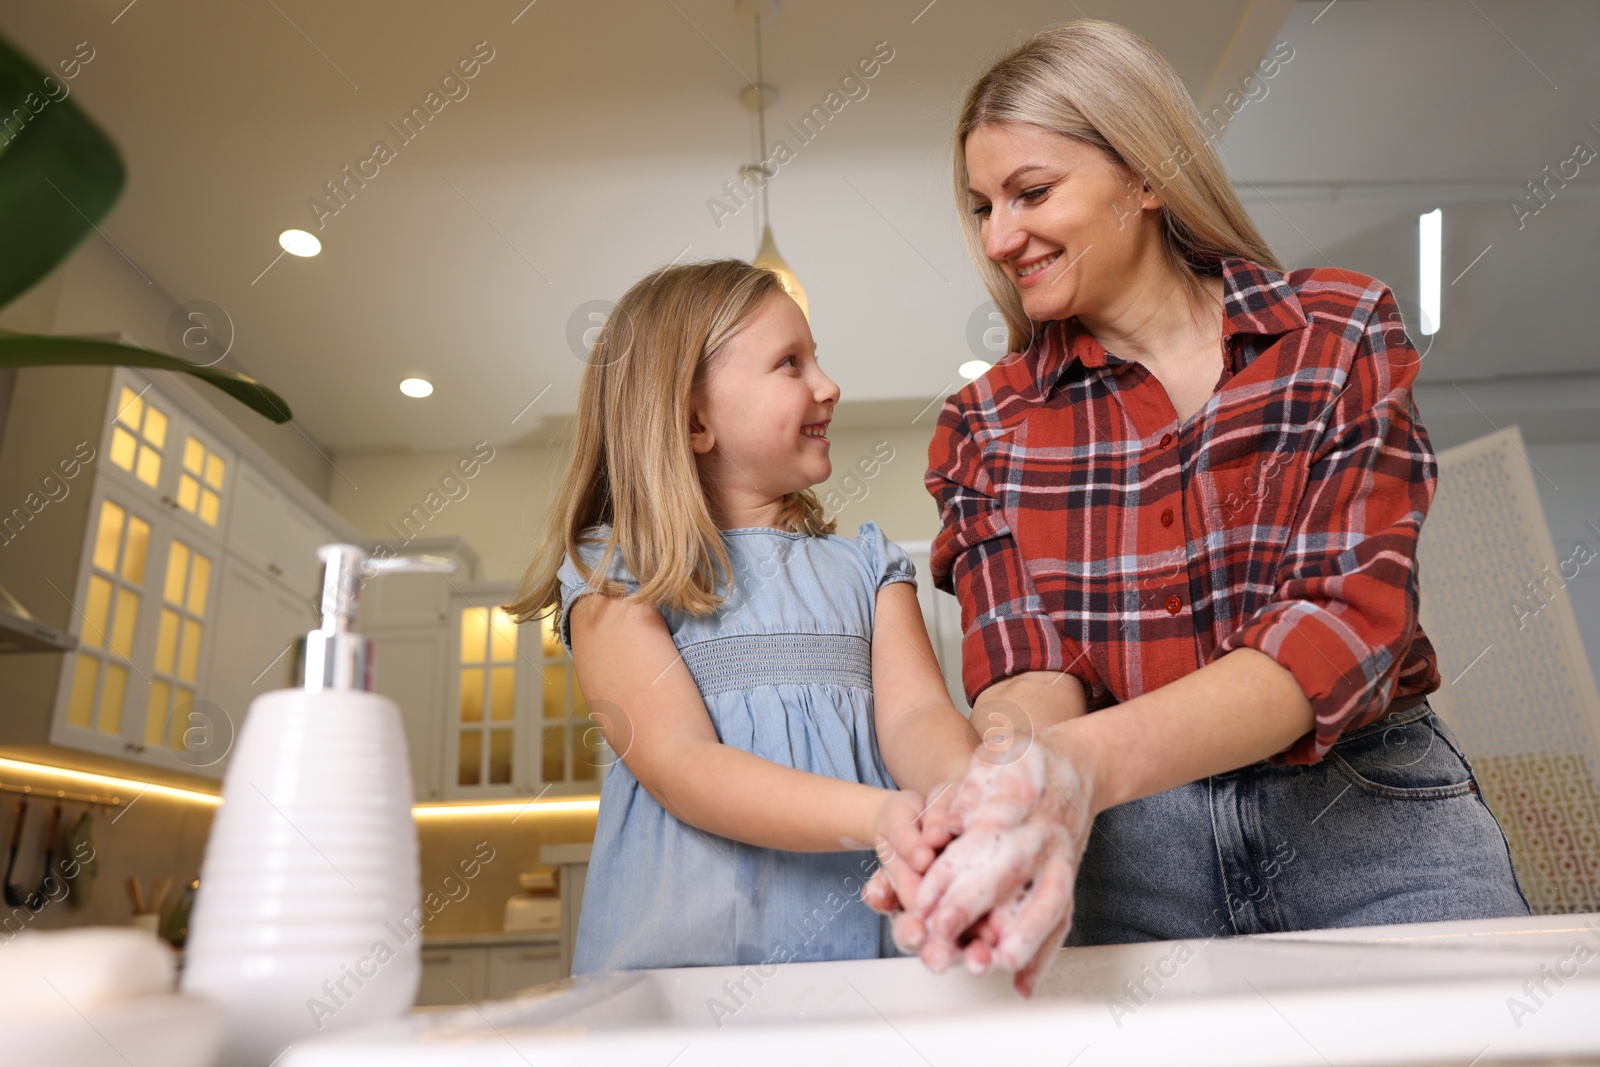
(1028, 271)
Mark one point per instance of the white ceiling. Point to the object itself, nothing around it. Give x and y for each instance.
(587, 149)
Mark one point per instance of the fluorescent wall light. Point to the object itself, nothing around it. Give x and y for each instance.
(973, 368)
(418, 387)
(1430, 230)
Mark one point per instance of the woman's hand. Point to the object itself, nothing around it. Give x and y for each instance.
(1001, 892)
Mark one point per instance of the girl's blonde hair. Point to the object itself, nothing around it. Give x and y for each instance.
(631, 464)
(1106, 86)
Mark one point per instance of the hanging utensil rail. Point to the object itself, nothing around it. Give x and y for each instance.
(111, 801)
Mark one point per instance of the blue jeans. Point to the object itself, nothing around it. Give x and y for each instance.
(1388, 828)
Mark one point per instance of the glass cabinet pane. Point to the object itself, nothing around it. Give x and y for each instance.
(500, 757)
(472, 695)
(108, 615)
(474, 630)
(139, 436)
(471, 760)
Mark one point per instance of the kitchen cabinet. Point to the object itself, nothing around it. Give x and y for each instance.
(144, 606)
(177, 551)
(258, 622)
(408, 668)
(514, 967)
(407, 617)
(275, 535)
(467, 968)
(457, 976)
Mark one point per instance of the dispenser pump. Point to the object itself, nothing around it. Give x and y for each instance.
(333, 656)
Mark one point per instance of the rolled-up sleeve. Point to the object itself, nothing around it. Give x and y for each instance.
(1005, 627)
(1344, 612)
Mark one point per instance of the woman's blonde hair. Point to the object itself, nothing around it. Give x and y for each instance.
(631, 464)
(1106, 86)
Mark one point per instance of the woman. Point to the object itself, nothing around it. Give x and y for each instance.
(1181, 520)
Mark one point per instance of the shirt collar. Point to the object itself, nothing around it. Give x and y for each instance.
(1256, 300)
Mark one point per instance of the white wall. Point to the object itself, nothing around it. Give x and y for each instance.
(501, 512)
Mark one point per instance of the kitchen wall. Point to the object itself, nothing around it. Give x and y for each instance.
(502, 509)
(150, 836)
(478, 904)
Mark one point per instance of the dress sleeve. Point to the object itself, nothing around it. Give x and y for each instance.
(573, 585)
(1004, 625)
(1344, 612)
(888, 560)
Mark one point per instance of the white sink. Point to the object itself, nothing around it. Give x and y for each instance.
(1424, 993)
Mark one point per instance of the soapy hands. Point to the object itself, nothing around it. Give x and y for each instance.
(1000, 892)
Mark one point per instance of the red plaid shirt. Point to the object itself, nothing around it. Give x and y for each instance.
(1086, 530)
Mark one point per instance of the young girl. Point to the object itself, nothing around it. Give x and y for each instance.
(766, 683)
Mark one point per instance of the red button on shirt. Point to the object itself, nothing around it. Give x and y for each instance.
(1166, 517)
(1174, 605)
(1166, 439)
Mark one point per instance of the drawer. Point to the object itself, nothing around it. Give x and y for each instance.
(453, 976)
(515, 967)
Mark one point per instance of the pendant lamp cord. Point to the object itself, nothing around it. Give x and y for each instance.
(761, 121)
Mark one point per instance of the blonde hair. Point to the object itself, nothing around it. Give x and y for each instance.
(1104, 85)
(631, 463)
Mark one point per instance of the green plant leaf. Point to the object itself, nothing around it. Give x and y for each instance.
(32, 350)
(59, 173)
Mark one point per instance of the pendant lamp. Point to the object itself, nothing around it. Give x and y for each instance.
(768, 255)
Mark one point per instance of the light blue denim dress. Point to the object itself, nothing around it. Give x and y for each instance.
(785, 669)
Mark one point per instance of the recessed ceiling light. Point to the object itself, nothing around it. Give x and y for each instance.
(416, 387)
(299, 243)
(974, 368)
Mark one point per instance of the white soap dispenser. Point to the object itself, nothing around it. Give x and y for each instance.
(309, 915)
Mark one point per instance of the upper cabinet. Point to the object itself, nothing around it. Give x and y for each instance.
(181, 556)
(268, 530)
(160, 453)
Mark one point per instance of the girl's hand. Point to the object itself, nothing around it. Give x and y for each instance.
(1001, 892)
(895, 883)
(902, 853)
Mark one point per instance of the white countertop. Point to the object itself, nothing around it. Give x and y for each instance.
(1425, 993)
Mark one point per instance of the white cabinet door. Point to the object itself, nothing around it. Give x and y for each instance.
(297, 550)
(397, 600)
(257, 624)
(274, 534)
(515, 967)
(453, 976)
(145, 613)
(409, 665)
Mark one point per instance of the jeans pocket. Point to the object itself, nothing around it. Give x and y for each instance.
(1409, 760)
